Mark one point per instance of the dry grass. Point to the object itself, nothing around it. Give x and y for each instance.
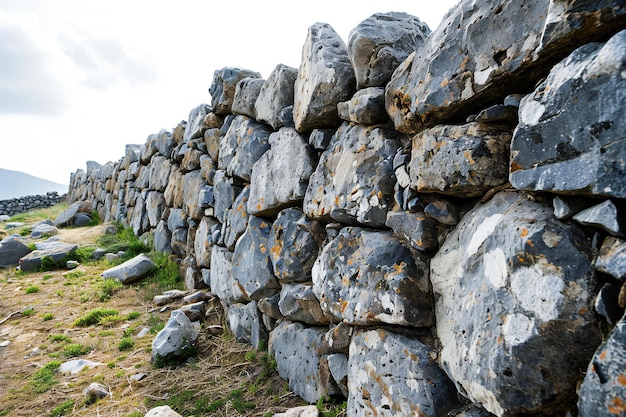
(227, 375)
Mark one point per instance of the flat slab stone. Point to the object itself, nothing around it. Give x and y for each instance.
(132, 270)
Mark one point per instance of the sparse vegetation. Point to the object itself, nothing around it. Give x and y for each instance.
(126, 343)
(44, 379)
(62, 409)
(72, 350)
(32, 289)
(94, 317)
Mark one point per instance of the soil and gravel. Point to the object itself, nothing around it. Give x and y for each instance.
(38, 312)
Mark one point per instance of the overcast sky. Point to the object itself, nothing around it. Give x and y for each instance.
(81, 79)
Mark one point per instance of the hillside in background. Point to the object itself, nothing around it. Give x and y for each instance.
(15, 184)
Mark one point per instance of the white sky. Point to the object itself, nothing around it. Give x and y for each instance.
(80, 79)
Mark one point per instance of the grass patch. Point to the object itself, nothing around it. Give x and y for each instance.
(126, 343)
(48, 316)
(73, 350)
(107, 288)
(62, 409)
(28, 312)
(43, 379)
(59, 338)
(133, 315)
(95, 317)
(32, 289)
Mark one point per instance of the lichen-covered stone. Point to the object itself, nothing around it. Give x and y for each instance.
(367, 277)
(511, 281)
(245, 322)
(246, 94)
(236, 219)
(299, 303)
(276, 95)
(223, 88)
(366, 107)
(221, 280)
(417, 229)
(612, 258)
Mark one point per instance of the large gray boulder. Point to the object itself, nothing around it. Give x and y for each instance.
(244, 320)
(252, 268)
(221, 280)
(477, 56)
(67, 216)
(603, 391)
(53, 251)
(223, 88)
(325, 78)
(393, 375)
(297, 350)
(195, 123)
(380, 43)
(366, 277)
(299, 303)
(176, 340)
(461, 161)
(193, 183)
(366, 107)
(246, 94)
(570, 136)
(130, 271)
(276, 95)
(12, 249)
(244, 143)
(160, 168)
(281, 175)
(354, 180)
(511, 281)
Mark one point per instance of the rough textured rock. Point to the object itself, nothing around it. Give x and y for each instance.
(252, 268)
(294, 244)
(195, 123)
(367, 277)
(246, 94)
(244, 320)
(160, 169)
(223, 88)
(66, 218)
(95, 391)
(477, 57)
(462, 161)
(603, 216)
(296, 350)
(155, 206)
(281, 175)
(225, 191)
(130, 271)
(176, 339)
(367, 107)
(55, 251)
(192, 185)
(222, 283)
(162, 411)
(511, 281)
(276, 95)
(602, 391)
(299, 303)
(417, 229)
(392, 375)
(380, 43)
(570, 136)
(340, 188)
(203, 241)
(12, 249)
(45, 227)
(611, 258)
(325, 78)
(236, 219)
(244, 143)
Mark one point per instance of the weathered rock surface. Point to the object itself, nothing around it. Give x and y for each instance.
(192, 185)
(417, 229)
(299, 303)
(392, 375)
(55, 251)
(294, 244)
(281, 175)
(340, 188)
(462, 161)
(195, 123)
(603, 216)
(236, 219)
(380, 43)
(252, 268)
(246, 94)
(95, 391)
(377, 281)
(12, 249)
(222, 283)
(297, 352)
(611, 258)
(130, 271)
(162, 411)
(367, 107)
(176, 339)
(45, 227)
(225, 191)
(223, 88)
(570, 136)
(325, 78)
(244, 143)
(602, 391)
(66, 218)
(244, 320)
(511, 281)
(276, 95)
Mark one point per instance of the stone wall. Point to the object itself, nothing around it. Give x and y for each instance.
(22, 204)
(420, 222)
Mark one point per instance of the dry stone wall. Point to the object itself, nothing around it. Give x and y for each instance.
(30, 202)
(423, 223)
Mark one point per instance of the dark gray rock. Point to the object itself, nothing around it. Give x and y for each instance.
(193, 183)
(367, 277)
(225, 191)
(82, 220)
(67, 216)
(177, 219)
(297, 352)
(244, 143)
(367, 107)
(280, 177)
(246, 94)
(417, 229)
(511, 281)
(354, 180)
(45, 228)
(252, 268)
(132, 270)
(390, 375)
(54, 251)
(320, 138)
(294, 245)
(223, 88)
(325, 78)
(203, 242)
(195, 123)
(236, 219)
(477, 56)
(603, 216)
(602, 391)
(299, 303)
(380, 43)
(462, 161)
(12, 249)
(245, 322)
(338, 365)
(570, 136)
(276, 95)
(566, 207)
(221, 282)
(176, 339)
(612, 258)
(443, 211)
(498, 113)
(607, 304)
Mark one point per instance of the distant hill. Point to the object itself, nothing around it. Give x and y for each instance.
(15, 184)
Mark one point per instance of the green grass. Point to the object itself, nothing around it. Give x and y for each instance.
(43, 379)
(28, 312)
(59, 338)
(32, 289)
(126, 343)
(62, 409)
(73, 350)
(95, 317)
(107, 288)
(48, 316)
